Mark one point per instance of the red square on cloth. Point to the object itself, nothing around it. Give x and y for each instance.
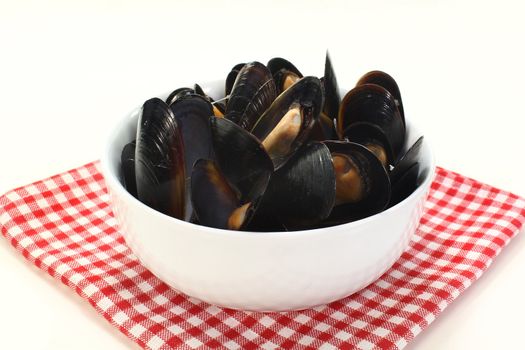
(64, 225)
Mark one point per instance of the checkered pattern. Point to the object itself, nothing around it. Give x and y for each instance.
(64, 225)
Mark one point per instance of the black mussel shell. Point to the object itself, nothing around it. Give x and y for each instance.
(331, 89)
(177, 93)
(252, 93)
(372, 137)
(301, 193)
(410, 158)
(282, 69)
(278, 129)
(405, 184)
(373, 104)
(192, 113)
(230, 79)
(278, 63)
(241, 158)
(127, 161)
(215, 202)
(374, 182)
(159, 160)
(385, 80)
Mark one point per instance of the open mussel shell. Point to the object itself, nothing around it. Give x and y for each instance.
(362, 183)
(404, 184)
(284, 73)
(127, 161)
(252, 93)
(373, 138)
(278, 63)
(385, 80)
(230, 79)
(301, 193)
(287, 123)
(373, 104)
(241, 158)
(192, 113)
(331, 89)
(215, 202)
(410, 158)
(178, 93)
(159, 160)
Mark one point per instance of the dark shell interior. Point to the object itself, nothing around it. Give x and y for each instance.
(214, 200)
(192, 113)
(404, 184)
(411, 157)
(278, 63)
(241, 158)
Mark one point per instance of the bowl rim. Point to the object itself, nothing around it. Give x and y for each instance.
(112, 180)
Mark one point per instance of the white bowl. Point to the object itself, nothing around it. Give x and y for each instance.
(262, 271)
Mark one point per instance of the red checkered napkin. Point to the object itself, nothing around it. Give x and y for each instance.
(64, 225)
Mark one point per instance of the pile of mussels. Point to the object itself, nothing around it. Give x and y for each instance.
(279, 152)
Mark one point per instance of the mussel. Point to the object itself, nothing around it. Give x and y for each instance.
(362, 183)
(373, 104)
(159, 160)
(372, 137)
(215, 201)
(178, 93)
(386, 81)
(301, 193)
(232, 76)
(284, 73)
(225, 194)
(286, 124)
(331, 91)
(325, 128)
(241, 157)
(252, 93)
(405, 173)
(218, 107)
(192, 113)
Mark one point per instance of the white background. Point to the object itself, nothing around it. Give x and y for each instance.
(70, 70)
